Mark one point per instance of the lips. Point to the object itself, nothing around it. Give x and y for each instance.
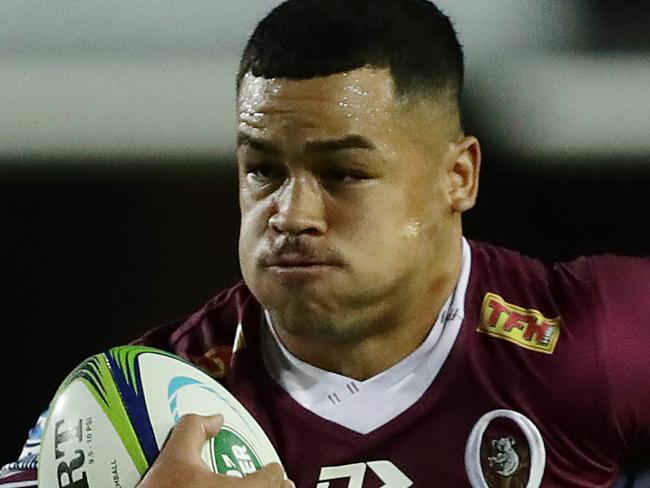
(297, 255)
(294, 260)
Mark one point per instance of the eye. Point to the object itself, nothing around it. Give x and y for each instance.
(343, 175)
(264, 172)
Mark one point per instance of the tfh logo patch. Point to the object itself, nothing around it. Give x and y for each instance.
(523, 326)
(387, 472)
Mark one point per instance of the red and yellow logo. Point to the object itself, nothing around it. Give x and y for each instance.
(525, 327)
(215, 362)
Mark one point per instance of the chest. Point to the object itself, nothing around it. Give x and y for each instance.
(475, 426)
(498, 448)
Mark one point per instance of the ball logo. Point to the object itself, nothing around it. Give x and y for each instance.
(69, 458)
(505, 450)
(230, 453)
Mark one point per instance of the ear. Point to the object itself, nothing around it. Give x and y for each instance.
(465, 169)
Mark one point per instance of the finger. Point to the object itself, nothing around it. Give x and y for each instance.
(190, 434)
(271, 475)
(288, 484)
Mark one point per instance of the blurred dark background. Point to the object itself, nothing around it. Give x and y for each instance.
(118, 203)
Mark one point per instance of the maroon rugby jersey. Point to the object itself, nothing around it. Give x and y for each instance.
(566, 347)
(549, 376)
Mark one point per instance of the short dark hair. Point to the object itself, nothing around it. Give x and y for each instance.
(302, 39)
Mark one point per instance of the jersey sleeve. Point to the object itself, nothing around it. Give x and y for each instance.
(623, 286)
(22, 473)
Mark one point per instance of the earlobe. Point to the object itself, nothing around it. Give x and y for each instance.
(465, 174)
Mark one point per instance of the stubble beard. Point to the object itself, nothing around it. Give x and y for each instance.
(347, 319)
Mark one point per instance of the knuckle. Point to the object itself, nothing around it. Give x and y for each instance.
(190, 420)
(274, 471)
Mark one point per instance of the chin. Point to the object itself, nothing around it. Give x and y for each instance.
(299, 306)
(286, 286)
(292, 303)
(307, 325)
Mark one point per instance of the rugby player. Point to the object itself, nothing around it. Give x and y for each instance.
(377, 346)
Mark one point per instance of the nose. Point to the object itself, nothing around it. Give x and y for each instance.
(299, 209)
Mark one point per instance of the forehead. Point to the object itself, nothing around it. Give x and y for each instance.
(352, 94)
(360, 102)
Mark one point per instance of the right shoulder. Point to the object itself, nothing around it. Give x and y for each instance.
(209, 331)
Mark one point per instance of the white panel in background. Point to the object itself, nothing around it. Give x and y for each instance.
(112, 106)
(124, 26)
(504, 27)
(156, 78)
(563, 105)
(146, 78)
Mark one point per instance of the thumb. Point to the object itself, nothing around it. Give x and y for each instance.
(190, 434)
(270, 475)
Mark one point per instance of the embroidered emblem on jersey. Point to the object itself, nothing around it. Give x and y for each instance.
(525, 327)
(505, 450)
(504, 459)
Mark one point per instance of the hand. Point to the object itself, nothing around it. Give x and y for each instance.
(179, 464)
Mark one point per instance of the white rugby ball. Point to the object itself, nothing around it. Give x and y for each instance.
(112, 414)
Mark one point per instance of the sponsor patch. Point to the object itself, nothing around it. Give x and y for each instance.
(215, 362)
(523, 326)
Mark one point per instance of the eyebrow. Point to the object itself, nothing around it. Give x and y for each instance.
(349, 142)
(257, 144)
(353, 141)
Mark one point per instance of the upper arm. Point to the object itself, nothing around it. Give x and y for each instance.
(23, 470)
(623, 286)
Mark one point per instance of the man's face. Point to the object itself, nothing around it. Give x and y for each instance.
(345, 199)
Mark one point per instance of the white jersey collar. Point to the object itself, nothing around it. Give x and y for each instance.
(364, 406)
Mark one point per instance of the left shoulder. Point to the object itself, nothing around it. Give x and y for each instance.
(609, 279)
(618, 287)
(596, 300)
(615, 277)
(591, 318)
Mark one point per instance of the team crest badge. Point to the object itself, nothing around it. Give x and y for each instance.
(504, 459)
(505, 450)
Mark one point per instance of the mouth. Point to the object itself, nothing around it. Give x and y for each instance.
(295, 261)
(298, 265)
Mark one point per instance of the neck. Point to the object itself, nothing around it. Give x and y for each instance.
(394, 336)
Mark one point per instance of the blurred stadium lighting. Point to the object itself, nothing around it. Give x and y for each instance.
(157, 78)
